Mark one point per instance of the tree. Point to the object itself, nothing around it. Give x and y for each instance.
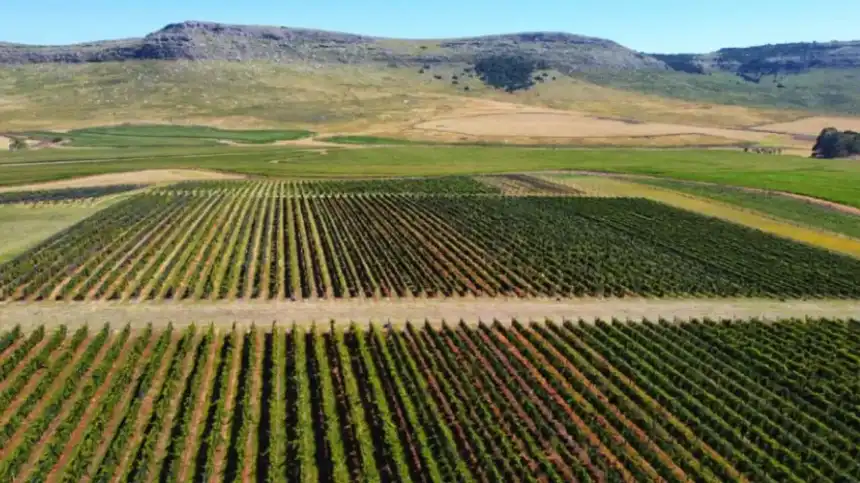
(511, 72)
(17, 144)
(832, 143)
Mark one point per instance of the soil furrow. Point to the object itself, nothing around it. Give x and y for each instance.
(76, 436)
(219, 460)
(55, 386)
(67, 406)
(198, 417)
(143, 414)
(30, 355)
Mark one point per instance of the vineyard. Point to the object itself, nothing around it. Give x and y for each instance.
(63, 194)
(525, 185)
(420, 238)
(553, 401)
(446, 185)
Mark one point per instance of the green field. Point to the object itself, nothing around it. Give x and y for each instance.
(783, 207)
(140, 136)
(835, 180)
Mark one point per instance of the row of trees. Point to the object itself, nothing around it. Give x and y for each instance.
(832, 143)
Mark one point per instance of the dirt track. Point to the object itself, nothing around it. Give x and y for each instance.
(417, 310)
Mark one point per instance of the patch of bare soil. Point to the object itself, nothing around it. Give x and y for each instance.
(149, 176)
(225, 313)
(562, 124)
(812, 125)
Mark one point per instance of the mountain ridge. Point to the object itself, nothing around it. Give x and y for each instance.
(566, 52)
(197, 40)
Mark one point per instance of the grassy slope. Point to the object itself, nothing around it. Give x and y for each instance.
(835, 180)
(832, 91)
(792, 209)
(342, 98)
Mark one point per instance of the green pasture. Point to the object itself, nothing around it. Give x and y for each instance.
(160, 135)
(835, 180)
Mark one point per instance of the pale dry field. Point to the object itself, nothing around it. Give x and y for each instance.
(149, 176)
(813, 125)
(571, 125)
(398, 311)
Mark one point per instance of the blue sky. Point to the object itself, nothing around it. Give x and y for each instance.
(650, 26)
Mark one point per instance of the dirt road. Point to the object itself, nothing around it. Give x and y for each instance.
(225, 313)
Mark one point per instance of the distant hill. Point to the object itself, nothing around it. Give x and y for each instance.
(213, 41)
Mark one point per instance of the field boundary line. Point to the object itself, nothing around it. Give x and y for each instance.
(455, 309)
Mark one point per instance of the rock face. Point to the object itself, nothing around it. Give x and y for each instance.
(212, 41)
(776, 59)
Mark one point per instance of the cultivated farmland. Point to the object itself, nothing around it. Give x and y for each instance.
(64, 194)
(410, 238)
(551, 401)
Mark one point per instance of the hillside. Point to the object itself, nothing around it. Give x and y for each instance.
(212, 41)
(278, 77)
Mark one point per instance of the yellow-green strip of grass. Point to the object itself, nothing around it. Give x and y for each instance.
(606, 186)
(22, 226)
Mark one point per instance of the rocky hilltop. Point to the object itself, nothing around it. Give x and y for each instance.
(774, 59)
(213, 41)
